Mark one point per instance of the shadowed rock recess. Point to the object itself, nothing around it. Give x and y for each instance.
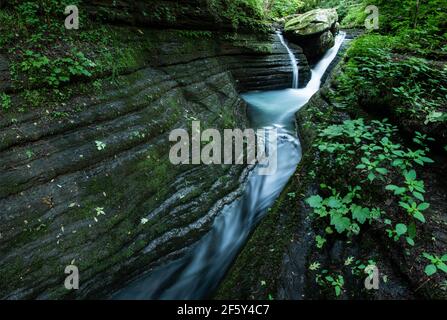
(315, 31)
(64, 201)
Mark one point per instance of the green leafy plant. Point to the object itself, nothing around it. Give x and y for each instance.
(314, 266)
(100, 211)
(436, 263)
(292, 195)
(282, 8)
(343, 214)
(380, 159)
(326, 280)
(406, 84)
(320, 241)
(415, 210)
(5, 101)
(349, 261)
(337, 283)
(360, 266)
(39, 68)
(398, 231)
(240, 12)
(29, 153)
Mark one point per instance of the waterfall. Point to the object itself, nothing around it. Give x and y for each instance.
(293, 60)
(319, 70)
(196, 274)
(279, 106)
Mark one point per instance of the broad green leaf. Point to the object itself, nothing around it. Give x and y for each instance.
(428, 160)
(401, 229)
(397, 190)
(428, 256)
(418, 196)
(405, 205)
(315, 201)
(400, 191)
(410, 175)
(360, 214)
(337, 291)
(419, 216)
(382, 171)
(334, 203)
(391, 187)
(430, 270)
(442, 266)
(340, 223)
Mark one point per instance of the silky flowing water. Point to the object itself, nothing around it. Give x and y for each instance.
(198, 273)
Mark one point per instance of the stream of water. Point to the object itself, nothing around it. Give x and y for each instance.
(293, 61)
(198, 273)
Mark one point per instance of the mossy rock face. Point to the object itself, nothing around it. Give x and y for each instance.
(312, 23)
(84, 169)
(67, 201)
(191, 14)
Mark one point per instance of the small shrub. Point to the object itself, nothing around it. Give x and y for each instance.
(5, 101)
(39, 68)
(436, 263)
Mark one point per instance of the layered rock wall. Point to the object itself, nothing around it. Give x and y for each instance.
(89, 183)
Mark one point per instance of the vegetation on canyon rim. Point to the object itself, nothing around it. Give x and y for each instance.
(368, 172)
(369, 169)
(47, 55)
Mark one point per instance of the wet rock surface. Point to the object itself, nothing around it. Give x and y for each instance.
(56, 183)
(75, 188)
(264, 65)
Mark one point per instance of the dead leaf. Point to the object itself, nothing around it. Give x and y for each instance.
(48, 201)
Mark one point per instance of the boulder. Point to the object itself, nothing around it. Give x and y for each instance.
(314, 31)
(313, 22)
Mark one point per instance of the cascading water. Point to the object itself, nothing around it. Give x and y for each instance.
(199, 271)
(293, 61)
